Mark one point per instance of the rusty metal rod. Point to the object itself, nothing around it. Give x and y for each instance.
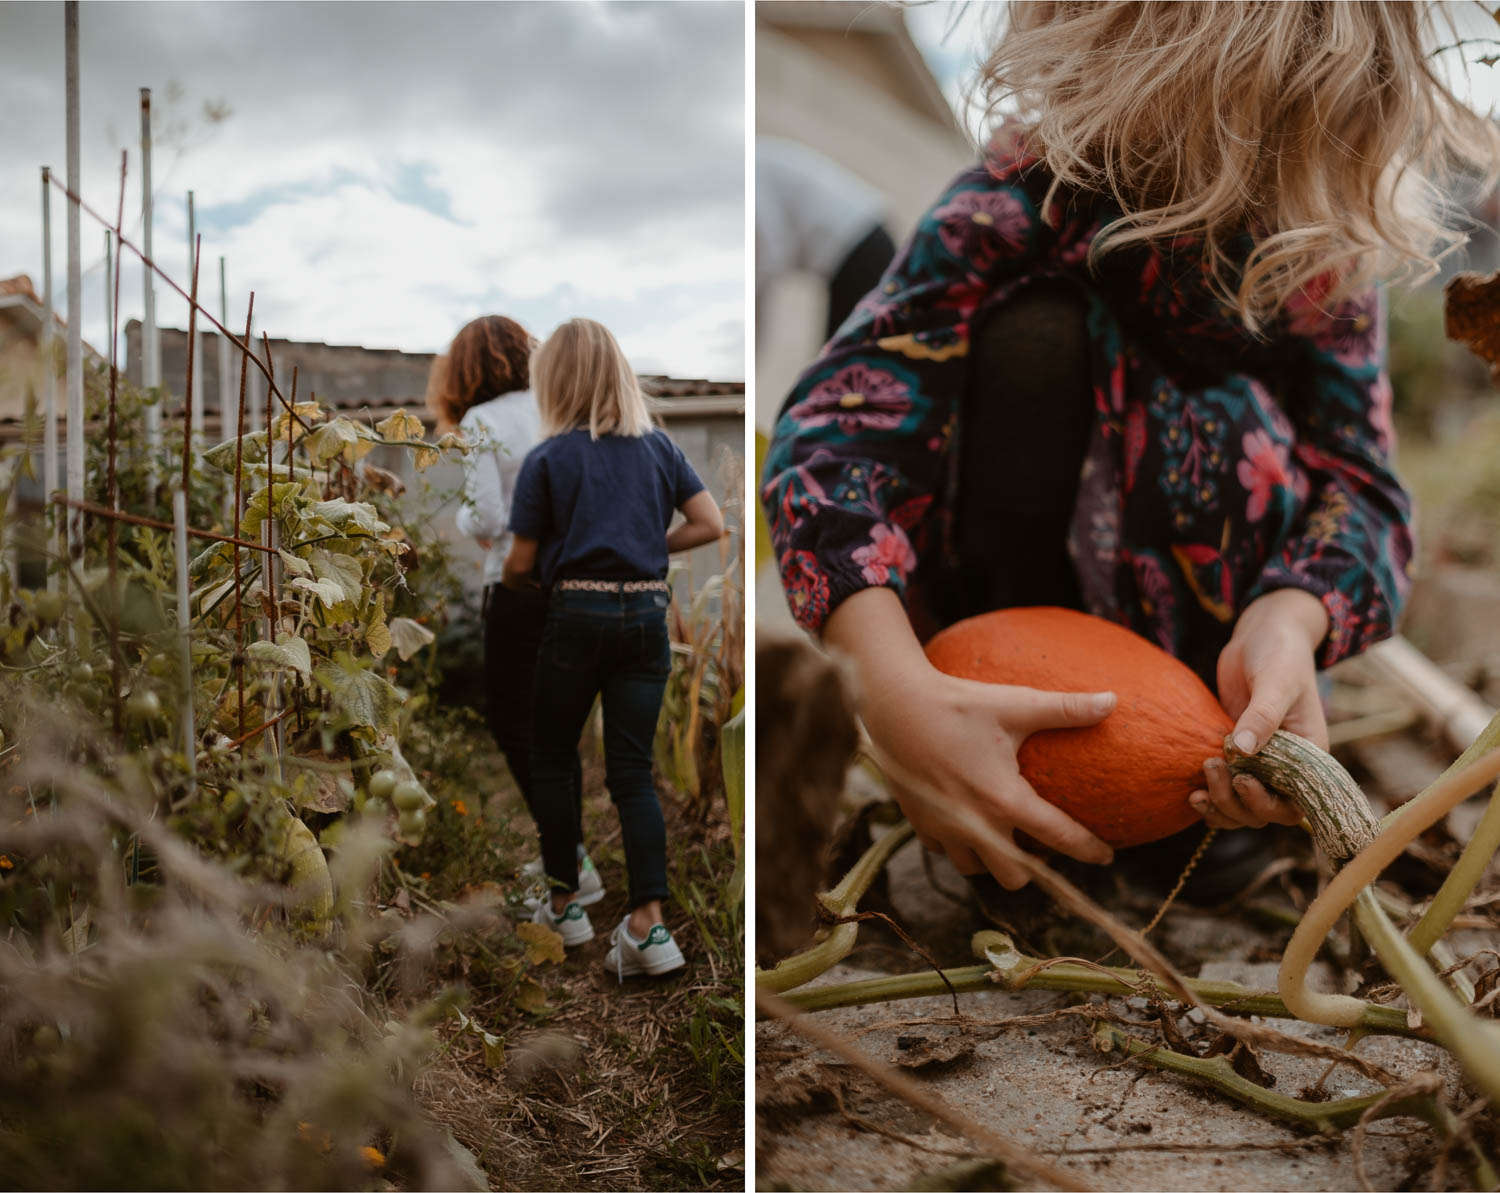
(103, 511)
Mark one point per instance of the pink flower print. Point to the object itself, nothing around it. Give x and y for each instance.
(976, 225)
(1380, 413)
(1157, 601)
(1265, 468)
(806, 588)
(857, 398)
(889, 551)
(1352, 332)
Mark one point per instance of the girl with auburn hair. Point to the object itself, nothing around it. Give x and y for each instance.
(482, 385)
(1131, 363)
(590, 517)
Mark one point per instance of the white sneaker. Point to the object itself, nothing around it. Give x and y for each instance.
(590, 885)
(656, 955)
(572, 924)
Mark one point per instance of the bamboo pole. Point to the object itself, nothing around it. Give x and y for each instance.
(184, 628)
(75, 286)
(227, 417)
(150, 340)
(195, 380)
(49, 374)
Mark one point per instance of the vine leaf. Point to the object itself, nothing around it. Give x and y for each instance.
(327, 591)
(341, 514)
(378, 634)
(542, 943)
(341, 437)
(401, 425)
(409, 636)
(287, 651)
(365, 698)
(295, 564)
(221, 455)
(343, 571)
(530, 997)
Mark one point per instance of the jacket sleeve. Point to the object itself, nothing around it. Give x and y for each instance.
(1352, 547)
(483, 511)
(859, 452)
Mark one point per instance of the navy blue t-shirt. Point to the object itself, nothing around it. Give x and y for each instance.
(599, 508)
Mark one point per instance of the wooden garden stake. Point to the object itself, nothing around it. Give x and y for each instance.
(49, 381)
(150, 340)
(194, 380)
(75, 288)
(239, 463)
(184, 629)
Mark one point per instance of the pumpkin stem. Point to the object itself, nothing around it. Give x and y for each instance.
(1336, 809)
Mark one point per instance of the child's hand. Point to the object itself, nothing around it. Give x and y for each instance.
(949, 745)
(1268, 680)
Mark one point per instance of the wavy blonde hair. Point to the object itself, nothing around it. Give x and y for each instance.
(1318, 126)
(582, 379)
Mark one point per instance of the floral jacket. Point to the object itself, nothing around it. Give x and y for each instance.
(1222, 464)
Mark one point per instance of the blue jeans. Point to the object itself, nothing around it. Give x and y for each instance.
(612, 645)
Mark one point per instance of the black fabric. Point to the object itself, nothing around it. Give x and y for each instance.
(859, 274)
(1024, 431)
(512, 637)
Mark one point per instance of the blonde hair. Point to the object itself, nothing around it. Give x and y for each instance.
(582, 379)
(1319, 127)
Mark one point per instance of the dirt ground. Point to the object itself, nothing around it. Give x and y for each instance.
(611, 1086)
(1113, 1123)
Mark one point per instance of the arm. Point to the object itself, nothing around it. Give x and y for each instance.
(859, 454)
(520, 565)
(704, 523)
(948, 746)
(1338, 581)
(482, 512)
(858, 458)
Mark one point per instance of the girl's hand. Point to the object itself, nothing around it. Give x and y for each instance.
(1268, 680)
(949, 745)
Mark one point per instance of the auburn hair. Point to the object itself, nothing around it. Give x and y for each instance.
(582, 379)
(488, 357)
(1319, 127)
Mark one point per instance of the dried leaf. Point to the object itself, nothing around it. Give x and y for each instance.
(409, 636)
(379, 478)
(76, 937)
(926, 1052)
(542, 943)
(401, 425)
(1471, 310)
(531, 998)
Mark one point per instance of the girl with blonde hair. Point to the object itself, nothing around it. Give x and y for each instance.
(1131, 363)
(590, 517)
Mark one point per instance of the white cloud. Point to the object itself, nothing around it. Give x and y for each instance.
(391, 170)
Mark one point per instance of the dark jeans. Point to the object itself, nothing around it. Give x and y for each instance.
(612, 645)
(512, 638)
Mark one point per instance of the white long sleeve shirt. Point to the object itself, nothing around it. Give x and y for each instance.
(502, 430)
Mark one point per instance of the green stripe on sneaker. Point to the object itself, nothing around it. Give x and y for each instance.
(657, 935)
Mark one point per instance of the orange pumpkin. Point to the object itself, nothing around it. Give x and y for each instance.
(1128, 778)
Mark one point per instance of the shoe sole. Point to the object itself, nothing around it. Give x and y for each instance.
(655, 970)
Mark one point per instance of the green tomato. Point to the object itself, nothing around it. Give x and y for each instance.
(83, 673)
(382, 784)
(232, 804)
(409, 796)
(413, 823)
(143, 707)
(159, 665)
(48, 607)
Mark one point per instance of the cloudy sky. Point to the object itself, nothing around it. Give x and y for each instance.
(387, 171)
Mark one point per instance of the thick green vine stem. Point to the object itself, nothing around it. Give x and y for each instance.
(1474, 860)
(803, 967)
(1336, 809)
(1337, 1010)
